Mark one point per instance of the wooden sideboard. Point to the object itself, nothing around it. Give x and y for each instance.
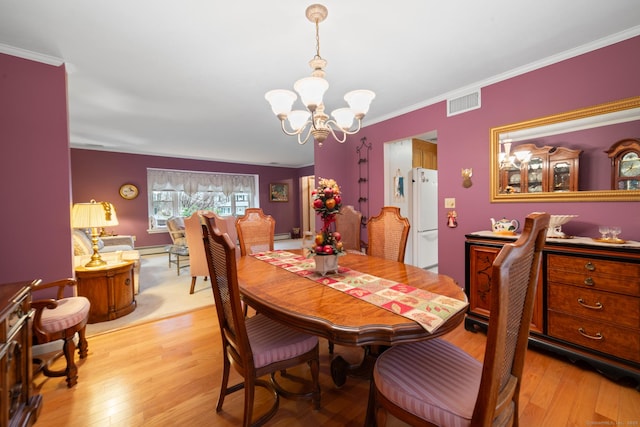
(587, 305)
(110, 289)
(18, 405)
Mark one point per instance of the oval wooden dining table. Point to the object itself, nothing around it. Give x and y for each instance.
(339, 317)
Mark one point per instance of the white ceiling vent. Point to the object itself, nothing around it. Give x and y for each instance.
(464, 103)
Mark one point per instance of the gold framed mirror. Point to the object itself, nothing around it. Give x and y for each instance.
(625, 112)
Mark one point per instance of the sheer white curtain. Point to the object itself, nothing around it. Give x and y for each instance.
(193, 182)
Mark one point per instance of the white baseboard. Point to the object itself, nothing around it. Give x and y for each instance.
(151, 250)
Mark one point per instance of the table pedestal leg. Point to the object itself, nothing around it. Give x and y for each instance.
(340, 368)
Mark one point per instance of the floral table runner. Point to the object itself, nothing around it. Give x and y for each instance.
(429, 309)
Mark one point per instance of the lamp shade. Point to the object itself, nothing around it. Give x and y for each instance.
(344, 117)
(311, 90)
(298, 118)
(359, 101)
(281, 100)
(93, 214)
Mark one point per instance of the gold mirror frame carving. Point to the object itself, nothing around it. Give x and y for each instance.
(569, 196)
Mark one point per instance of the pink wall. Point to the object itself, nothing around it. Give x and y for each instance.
(34, 171)
(35, 163)
(600, 76)
(99, 174)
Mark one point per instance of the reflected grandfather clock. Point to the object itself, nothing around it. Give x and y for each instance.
(625, 164)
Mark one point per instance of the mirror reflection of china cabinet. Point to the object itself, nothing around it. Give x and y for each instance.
(550, 169)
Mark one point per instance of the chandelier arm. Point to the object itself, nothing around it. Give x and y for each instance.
(306, 138)
(331, 124)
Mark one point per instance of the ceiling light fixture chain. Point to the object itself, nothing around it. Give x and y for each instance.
(314, 121)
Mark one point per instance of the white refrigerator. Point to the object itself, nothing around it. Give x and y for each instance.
(423, 208)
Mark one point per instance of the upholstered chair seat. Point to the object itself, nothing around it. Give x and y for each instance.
(436, 379)
(272, 343)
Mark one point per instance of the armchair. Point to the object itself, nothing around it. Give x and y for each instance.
(60, 319)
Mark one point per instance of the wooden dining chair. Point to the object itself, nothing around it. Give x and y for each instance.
(435, 383)
(60, 318)
(255, 231)
(255, 346)
(348, 224)
(387, 234)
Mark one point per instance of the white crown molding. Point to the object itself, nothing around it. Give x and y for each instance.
(33, 56)
(596, 44)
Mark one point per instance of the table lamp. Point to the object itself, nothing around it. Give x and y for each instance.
(94, 215)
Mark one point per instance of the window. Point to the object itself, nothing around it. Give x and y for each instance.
(181, 193)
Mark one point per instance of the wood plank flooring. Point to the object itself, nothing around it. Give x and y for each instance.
(167, 373)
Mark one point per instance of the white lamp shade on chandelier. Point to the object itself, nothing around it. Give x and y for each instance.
(314, 121)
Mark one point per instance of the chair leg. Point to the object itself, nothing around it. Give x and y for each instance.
(249, 394)
(193, 284)
(83, 345)
(69, 349)
(225, 382)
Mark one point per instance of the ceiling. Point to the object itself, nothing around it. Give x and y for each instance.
(187, 78)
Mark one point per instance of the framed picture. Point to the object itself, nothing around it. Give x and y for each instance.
(279, 192)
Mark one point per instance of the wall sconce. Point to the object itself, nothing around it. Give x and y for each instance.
(466, 177)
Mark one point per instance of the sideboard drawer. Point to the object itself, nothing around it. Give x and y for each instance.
(614, 276)
(615, 340)
(617, 309)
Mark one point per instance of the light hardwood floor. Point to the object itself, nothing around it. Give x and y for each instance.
(167, 373)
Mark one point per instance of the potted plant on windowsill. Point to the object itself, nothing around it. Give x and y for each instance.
(328, 245)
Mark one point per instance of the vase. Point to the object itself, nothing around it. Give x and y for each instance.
(326, 264)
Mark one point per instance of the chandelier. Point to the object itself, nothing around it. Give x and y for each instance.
(314, 121)
(515, 160)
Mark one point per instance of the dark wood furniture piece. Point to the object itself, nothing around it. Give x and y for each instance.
(625, 164)
(49, 325)
(414, 381)
(588, 304)
(340, 318)
(110, 290)
(550, 169)
(18, 405)
(255, 346)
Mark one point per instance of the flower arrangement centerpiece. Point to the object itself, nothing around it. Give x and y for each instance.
(327, 202)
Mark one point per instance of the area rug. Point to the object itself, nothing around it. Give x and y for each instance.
(163, 293)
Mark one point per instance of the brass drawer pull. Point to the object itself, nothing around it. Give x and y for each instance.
(127, 282)
(588, 281)
(598, 305)
(597, 336)
(589, 266)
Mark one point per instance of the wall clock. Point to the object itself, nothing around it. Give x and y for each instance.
(128, 191)
(625, 164)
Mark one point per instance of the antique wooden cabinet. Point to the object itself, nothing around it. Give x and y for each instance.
(550, 169)
(110, 290)
(18, 405)
(588, 300)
